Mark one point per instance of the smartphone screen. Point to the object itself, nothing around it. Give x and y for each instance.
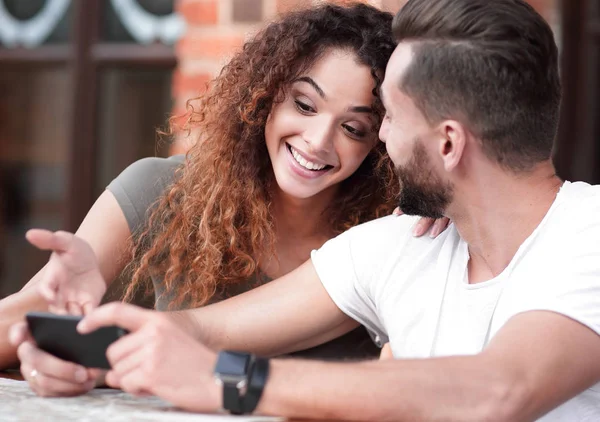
(57, 335)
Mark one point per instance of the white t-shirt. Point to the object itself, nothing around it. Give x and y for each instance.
(414, 292)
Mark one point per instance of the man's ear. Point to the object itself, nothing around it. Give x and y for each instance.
(452, 143)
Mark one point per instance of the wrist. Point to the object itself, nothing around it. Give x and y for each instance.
(185, 320)
(241, 378)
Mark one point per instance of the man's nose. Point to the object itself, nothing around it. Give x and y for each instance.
(383, 131)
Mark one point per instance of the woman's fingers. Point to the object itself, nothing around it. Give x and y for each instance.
(386, 352)
(18, 333)
(51, 366)
(74, 308)
(87, 307)
(435, 227)
(59, 241)
(439, 226)
(47, 386)
(422, 226)
(51, 279)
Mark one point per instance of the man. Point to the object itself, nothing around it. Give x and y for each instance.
(496, 319)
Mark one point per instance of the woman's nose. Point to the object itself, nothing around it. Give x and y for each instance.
(319, 136)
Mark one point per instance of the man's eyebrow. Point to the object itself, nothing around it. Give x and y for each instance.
(312, 83)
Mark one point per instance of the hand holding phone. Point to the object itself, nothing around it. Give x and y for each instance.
(58, 335)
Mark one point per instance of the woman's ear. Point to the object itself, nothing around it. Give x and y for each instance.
(452, 143)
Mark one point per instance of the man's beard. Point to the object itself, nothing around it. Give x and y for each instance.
(422, 192)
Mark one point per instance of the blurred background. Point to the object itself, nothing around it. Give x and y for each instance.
(84, 84)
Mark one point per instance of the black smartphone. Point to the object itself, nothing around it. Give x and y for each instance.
(57, 335)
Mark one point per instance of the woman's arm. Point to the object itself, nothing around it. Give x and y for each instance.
(105, 229)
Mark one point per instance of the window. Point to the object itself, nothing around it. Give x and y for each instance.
(83, 86)
(577, 154)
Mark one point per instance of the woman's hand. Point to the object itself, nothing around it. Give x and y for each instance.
(386, 352)
(435, 227)
(48, 376)
(71, 282)
(157, 357)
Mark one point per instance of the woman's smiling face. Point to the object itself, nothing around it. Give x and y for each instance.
(324, 129)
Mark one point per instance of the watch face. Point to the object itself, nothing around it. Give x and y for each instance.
(232, 364)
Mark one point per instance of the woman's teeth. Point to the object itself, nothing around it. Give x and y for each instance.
(309, 165)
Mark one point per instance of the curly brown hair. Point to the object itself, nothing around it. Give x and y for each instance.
(208, 229)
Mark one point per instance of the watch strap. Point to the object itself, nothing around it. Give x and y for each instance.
(232, 371)
(232, 401)
(259, 372)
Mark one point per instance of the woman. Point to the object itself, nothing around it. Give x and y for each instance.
(288, 157)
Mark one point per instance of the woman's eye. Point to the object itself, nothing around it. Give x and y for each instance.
(354, 131)
(303, 107)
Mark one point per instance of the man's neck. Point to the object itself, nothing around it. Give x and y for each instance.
(497, 211)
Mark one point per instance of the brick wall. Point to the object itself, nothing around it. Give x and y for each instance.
(216, 28)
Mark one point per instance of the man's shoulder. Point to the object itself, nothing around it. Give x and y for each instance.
(389, 227)
(392, 237)
(579, 204)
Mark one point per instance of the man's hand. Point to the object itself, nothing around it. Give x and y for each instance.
(157, 358)
(72, 282)
(49, 376)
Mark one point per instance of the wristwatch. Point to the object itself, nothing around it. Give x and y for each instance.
(243, 377)
(231, 371)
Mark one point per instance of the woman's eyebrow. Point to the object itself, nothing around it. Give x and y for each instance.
(312, 83)
(361, 109)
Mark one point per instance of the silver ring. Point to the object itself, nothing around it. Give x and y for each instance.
(33, 374)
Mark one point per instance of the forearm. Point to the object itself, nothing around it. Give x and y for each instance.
(209, 325)
(199, 327)
(257, 331)
(292, 313)
(442, 389)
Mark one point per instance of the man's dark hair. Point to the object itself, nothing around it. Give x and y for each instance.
(492, 64)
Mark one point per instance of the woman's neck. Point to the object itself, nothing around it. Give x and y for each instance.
(300, 226)
(301, 219)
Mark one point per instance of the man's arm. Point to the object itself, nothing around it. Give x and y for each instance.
(536, 362)
(292, 313)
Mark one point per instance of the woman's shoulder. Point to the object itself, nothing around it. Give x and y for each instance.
(151, 169)
(139, 186)
(148, 174)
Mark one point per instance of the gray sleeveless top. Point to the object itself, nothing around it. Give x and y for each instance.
(137, 190)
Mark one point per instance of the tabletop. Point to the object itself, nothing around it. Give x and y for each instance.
(19, 403)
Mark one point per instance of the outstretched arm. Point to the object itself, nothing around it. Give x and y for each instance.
(107, 233)
(536, 362)
(292, 313)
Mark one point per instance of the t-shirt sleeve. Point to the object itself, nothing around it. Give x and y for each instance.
(350, 267)
(140, 185)
(569, 283)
